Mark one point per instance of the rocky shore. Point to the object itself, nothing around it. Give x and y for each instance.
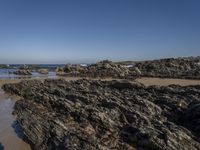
(188, 68)
(94, 114)
(103, 69)
(185, 68)
(23, 70)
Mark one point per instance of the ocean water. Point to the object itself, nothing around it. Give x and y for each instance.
(5, 73)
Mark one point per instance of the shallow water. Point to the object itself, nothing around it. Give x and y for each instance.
(5, 74)
(11, 135)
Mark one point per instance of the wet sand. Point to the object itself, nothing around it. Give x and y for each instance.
(2, 82)
(10, 132)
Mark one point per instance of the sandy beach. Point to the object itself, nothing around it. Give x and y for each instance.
(146, 81)
(2, 82)
(167, 81)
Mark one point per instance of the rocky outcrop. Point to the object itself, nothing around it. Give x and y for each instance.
(22, 72)
(43, 71)
(103, 69)
(88, 114)
(171, 68)
(188, 67)
(2, 66)
(107, 68)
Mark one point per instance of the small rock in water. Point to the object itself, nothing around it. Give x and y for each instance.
(43, 71)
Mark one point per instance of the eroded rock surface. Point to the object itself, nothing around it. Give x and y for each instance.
(88, 114)
(22, 72)
(171, 68)
(188, 67)
(103, 69)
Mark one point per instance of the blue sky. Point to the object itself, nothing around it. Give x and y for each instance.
(61, 31)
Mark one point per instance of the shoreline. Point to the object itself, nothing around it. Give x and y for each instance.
(10, 130)
(147, 81)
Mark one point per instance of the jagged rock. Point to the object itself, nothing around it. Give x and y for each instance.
(170, 68)
(22, 72)
(101, 69)
(188, 67)
(94, 114)
(67, 68)
(59, 69)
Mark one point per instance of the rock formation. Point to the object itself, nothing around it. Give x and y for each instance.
(2, 66)
(103, 69)
(171, 68)
(94, 114)
(165, 68)
(43, 71)
(22, 72)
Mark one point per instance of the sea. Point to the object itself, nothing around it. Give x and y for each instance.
(6, 71)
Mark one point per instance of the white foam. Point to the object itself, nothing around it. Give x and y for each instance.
(83, 65)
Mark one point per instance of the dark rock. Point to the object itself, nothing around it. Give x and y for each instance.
(188, 67)
(94, 114)
(123, 84)
(3, 66)
(170, 68)
(22, 72)
(103, 69)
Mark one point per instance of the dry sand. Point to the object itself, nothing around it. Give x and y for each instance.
(165, 82)
(145, 81)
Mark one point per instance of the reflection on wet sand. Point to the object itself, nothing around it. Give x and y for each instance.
(1, 147)
(12, 137)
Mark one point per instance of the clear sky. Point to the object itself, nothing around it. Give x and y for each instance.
(61, 31)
